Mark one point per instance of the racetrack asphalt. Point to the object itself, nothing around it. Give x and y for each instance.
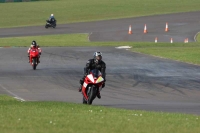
(134, 81)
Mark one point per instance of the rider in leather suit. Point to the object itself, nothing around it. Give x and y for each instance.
(97, 63)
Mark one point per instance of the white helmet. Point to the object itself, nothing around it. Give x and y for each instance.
(51, 15)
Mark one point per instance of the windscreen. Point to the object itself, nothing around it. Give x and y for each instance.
(95, 72)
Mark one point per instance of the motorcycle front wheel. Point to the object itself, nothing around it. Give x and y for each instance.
(34, 63)
(54, 26)
(46, 26)
(92, 94)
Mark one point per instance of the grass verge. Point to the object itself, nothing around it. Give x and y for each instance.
(47, 40)
(61, 40)
(186, 52)
(68, 11)
(51, 117)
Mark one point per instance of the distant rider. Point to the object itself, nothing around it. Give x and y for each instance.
(51, 19)
(95, 63)
(34, 45)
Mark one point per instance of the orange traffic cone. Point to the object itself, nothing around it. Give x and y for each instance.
(171, 40)
(156, 40)
(166, 28)
(130, 31)
(145, 28)
(186, 40)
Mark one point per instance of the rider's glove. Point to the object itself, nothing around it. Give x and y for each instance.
(81, 82)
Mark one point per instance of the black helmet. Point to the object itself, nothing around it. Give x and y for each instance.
(34, 43)
(97, 56)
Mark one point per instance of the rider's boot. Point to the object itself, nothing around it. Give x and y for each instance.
(39, 60)
(81, 83)
(99, 95)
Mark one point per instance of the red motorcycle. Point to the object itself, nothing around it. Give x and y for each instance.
(92, 85)
(34, 56)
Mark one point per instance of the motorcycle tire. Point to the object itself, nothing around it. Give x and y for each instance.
(46, 26)
(34, 63)
(54, 26)
(92, 95)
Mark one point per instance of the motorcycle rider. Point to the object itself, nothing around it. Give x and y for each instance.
(97, 63)
(34, 45)
(51, 19)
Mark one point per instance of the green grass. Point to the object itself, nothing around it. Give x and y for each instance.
(68, 11)
(184, 54)
(47, 40)
(60, 40)
(61, 117)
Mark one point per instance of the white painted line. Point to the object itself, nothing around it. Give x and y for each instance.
(18, 98)
(15, 96)
(89, 36)
(196, 36)
(123, 47)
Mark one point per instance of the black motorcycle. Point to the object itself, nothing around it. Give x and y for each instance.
(50, 24)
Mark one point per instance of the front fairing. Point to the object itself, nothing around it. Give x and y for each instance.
(34, 53)
(90, 79)
(94, 78)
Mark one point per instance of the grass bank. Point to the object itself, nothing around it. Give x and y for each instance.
(51, 117)
(68, 11)
(61, 40)
(185, 54)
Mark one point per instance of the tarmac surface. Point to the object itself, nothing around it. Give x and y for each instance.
(134, 81)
